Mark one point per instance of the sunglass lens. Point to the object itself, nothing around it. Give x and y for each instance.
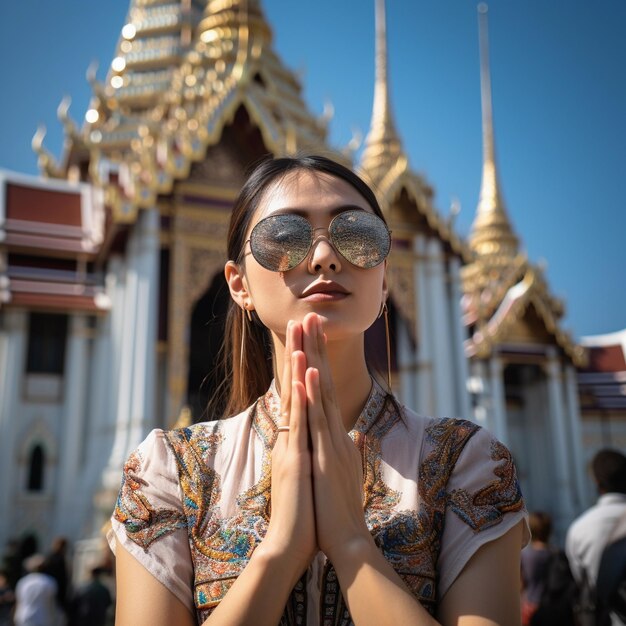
(280, 242)
(361, 237)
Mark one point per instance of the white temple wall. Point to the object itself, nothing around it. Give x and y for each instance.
(31, 414)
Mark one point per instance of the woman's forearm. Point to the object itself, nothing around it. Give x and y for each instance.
(260, 593)
(374, 593)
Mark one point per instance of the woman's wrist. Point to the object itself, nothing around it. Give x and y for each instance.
(353, 549)
(275, 558)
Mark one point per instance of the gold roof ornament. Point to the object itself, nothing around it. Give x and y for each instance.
(46, 161)
(382, 145)
(491, 235)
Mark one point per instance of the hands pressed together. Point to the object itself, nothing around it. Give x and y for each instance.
(317, 481)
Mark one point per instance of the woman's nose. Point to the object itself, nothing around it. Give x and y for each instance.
(323, 256)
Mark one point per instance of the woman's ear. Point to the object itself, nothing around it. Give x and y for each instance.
(237, 284)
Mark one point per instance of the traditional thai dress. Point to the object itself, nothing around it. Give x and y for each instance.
(195, 502)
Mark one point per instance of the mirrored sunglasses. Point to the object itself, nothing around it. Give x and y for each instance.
(281, 242)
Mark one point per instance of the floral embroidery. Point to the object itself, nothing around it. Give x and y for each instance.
(144, 524)
(410, 539)
(487, 506)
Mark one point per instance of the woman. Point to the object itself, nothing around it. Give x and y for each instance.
(323, 501)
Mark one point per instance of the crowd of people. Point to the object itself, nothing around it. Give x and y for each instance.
(583, 584)
(36, 589)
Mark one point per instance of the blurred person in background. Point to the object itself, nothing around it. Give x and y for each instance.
(7, 600)
(91, 602)
(56, 566)
(35, 595)
(588, 534)
(535, 557)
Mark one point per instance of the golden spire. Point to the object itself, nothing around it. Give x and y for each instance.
(491, 231)
(382, 144)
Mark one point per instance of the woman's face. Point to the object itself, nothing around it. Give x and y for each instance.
(348, 298)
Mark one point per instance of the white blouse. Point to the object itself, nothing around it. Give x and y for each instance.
(195, 502)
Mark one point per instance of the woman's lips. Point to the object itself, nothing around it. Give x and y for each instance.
(325, 296)
(325, 291)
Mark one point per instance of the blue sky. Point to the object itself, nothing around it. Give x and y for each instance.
(559, 92)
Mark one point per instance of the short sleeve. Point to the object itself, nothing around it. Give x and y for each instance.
(483, 502)
(149, 520)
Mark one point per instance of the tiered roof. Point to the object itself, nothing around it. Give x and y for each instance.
(181, 72)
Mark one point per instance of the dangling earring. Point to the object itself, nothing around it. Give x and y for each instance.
(384, 311)
(243, 338)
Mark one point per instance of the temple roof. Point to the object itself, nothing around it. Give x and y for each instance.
(495, 329)
(500, 283)
(182, 70)
(384, 162)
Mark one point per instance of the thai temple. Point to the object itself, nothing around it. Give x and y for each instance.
(112, 296)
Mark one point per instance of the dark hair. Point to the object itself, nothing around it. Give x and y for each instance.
(540, 526)
(609, 471)
(253, 371)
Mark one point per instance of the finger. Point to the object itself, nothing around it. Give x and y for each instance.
(298, 429)
(293, 341)
(309, 340)
(327, 387)
(298, 367)
(318, 424)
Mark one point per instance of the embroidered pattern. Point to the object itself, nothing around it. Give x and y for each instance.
(144, 524)
(221, 545)
(487, 506)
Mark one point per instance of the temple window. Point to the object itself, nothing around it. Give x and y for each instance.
(47, 335)
(36, 465)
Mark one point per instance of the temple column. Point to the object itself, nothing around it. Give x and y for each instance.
(578, 460)
(443, 374)
(13, 337)
(135, 338)
(143, 412)
(498, 423)
(458, 337)
(562, 487)
(74, 413)
(424, 401)
(101, 401)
